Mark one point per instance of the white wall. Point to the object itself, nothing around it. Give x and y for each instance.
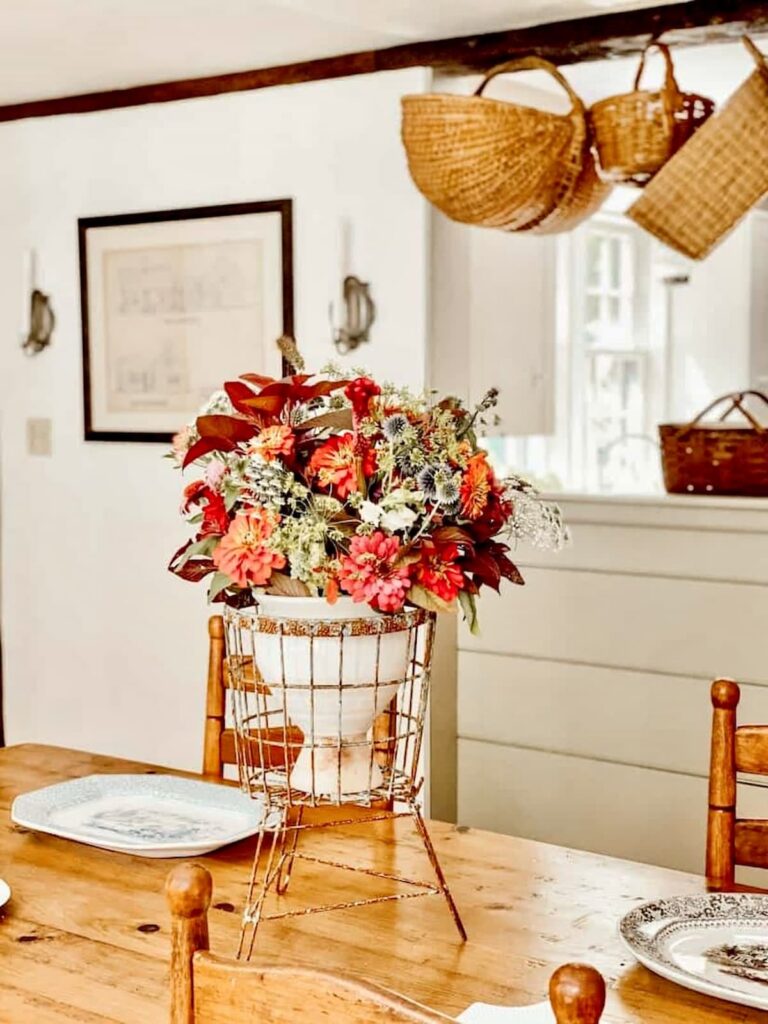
(103, 649)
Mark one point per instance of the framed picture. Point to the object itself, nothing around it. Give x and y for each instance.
(175, 302)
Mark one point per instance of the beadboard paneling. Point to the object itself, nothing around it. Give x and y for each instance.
(636, 813)
(667, 625)
(661, 551)
(657, 721)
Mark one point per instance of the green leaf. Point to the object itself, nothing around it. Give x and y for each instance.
(469, 608)
(423, 598)
(196, 549)
(219, 581)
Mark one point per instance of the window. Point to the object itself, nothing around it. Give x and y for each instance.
(608, 371)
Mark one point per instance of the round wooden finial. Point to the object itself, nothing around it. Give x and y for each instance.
(188, 889)
(725, 694)
(577, 994)
(216, 627)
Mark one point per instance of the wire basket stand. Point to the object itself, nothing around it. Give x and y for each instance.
(328, 713)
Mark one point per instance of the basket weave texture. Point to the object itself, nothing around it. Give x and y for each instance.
(503, 165)
(637, 132)
(717, 177)
(717, 458)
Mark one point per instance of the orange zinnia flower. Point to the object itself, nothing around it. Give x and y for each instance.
(334, 464)
(274, 443)
(476, 486)
(243, 554)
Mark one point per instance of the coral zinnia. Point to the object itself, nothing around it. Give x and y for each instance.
(275, 443)
(368, 573)
(243, 554)
(335, 464)
(437, 571)
(476, 486)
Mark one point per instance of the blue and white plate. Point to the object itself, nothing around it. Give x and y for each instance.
(145, 815)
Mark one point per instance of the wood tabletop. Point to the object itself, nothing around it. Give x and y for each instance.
(85, 935)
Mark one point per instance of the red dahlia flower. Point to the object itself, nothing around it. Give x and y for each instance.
(368, 573)
(360, 391)
(438, 572)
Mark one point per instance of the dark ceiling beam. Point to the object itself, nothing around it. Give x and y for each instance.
(599, 37)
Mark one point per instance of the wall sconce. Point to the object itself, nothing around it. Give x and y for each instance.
(359, 315)
(38, 319)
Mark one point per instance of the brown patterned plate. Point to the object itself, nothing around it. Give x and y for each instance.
(716, 943)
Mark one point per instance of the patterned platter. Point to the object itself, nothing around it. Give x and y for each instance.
(716, 943)
(146, 815)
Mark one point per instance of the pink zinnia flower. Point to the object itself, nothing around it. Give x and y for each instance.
(369, 575)
(214, 473)
(243, 554)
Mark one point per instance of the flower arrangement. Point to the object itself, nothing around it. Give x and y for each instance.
(326, 486)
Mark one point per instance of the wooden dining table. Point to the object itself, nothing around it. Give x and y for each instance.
(85, 935)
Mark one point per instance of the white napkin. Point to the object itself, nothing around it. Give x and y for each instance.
(483, 1013)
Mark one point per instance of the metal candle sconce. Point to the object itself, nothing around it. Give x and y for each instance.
(37, 315)
(359, 315)
(41, 323)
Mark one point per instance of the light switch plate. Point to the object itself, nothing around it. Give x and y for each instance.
(39, 436)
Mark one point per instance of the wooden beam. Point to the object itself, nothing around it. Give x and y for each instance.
(563, 42)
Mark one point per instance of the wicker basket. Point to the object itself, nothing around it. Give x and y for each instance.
(587, 195)
(637, 132)
(717, 459)
(717, 177)
(490, 163)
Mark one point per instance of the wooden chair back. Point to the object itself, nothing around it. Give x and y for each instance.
(219, 740)
(733, 841)
(207, 989)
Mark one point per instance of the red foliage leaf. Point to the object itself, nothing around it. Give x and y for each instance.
(258, 379)
(194, 569)
(206, 445)
(484, 568)
(226, 428)
(239, 393)
(453, 535)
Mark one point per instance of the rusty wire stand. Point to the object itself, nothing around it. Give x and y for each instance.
(329, 713)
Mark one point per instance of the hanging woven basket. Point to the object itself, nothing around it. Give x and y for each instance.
(717, 177)
(487, 162)
(637, 132)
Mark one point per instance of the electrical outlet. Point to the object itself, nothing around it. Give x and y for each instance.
(39, 436)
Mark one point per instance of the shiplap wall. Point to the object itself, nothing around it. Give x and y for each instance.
(583, 707)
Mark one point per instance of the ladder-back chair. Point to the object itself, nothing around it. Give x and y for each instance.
(219, 744)
(209, 989)
(733, 841)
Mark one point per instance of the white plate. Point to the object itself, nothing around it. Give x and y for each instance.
(146, 815)
(5, 892)
(716, 943)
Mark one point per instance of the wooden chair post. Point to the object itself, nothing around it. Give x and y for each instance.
(577, 994)
(188, 890)
(215, 701)
(721, 818)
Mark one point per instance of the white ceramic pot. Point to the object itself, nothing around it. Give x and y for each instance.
(332, 697)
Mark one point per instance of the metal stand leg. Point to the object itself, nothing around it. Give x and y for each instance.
(285, 867)
(425, 838)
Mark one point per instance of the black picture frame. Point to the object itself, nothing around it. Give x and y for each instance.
(284, 207)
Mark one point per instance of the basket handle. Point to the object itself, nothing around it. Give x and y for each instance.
(534, 64)
(757, 54)
(670, 82)
(737, 402)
